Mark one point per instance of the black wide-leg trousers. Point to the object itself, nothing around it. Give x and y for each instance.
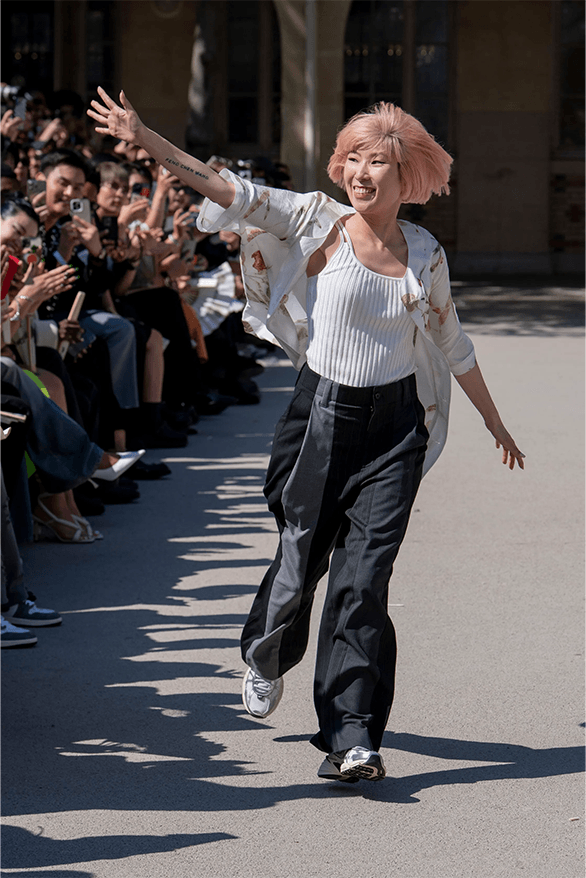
(344, 471)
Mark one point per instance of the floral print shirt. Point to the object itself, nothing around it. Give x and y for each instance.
(280, 230)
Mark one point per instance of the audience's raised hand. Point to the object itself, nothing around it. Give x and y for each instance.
(10, 125)
(181, 224)
(70, 330)
(89, 235)
(38, 201)
(135, 210)
(54, 130)
(44, 286)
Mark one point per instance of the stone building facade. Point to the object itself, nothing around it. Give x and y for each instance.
(499, 82)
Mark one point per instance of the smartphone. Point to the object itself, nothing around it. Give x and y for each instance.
(81, 207)
(13, 265)
(139, 191)
(20, 108)
(13, 417)
(108, 226)
(33, 187)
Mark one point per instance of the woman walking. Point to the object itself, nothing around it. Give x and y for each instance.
(361, 303)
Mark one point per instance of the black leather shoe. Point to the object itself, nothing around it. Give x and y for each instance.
(88, 503)
(112, 493)
(148, 471)
(163, 437)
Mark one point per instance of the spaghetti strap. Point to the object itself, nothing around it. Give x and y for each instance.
(344, 237)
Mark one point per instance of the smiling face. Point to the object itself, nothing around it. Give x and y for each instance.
(372, 181)
(14, 228)
(63, 183)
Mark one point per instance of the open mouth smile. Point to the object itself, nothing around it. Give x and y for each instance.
(363, 190)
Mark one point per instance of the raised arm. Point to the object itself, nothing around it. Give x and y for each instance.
(124, 122)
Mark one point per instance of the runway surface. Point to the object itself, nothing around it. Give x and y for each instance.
(127, 752)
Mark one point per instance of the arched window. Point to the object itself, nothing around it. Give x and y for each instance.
(397, 50)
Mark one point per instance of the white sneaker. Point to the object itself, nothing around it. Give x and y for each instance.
(26, 614)
(259, 696)
(362, 763)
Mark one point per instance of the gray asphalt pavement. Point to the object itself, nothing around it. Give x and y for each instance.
(126, 750)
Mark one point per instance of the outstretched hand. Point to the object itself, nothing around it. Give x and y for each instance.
(122, 122)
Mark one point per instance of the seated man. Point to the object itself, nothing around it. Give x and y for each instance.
(78, 242)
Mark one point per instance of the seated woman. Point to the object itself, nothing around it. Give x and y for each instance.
(63, 455)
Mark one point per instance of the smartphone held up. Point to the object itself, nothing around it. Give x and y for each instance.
(81, 207)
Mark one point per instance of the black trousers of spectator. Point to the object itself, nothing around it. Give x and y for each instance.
(344, 471)
(160, 308)
(92, 372)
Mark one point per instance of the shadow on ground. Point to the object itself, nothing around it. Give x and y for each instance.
(118, 710)
(523, 305)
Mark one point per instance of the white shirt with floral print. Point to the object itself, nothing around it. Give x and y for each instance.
(280, 230)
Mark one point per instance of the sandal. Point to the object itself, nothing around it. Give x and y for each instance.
(78, 535)
(96, 534)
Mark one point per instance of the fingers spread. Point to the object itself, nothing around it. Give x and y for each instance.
(98, 117)
(125, 102)
(106, 98)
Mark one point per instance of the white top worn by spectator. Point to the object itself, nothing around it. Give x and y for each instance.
(213, 305)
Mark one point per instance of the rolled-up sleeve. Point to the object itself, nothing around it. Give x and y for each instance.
(287, 215)
(445, 325)
(212, 218)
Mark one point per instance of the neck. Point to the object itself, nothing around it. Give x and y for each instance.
(382, 229)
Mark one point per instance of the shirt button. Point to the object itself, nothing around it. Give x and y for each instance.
(377, 395)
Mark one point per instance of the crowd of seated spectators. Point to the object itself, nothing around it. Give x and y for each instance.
(121, 327)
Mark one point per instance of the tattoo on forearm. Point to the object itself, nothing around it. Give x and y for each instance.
(186, 168)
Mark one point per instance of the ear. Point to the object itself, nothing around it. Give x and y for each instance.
(40, 176)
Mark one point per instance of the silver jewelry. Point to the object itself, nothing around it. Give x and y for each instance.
(16, 316)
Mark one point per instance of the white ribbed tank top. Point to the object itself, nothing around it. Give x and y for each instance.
(360, 333)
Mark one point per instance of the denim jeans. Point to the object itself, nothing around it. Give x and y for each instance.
(60, 449)
(118, 333)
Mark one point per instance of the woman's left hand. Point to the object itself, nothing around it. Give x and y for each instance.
(505, 441)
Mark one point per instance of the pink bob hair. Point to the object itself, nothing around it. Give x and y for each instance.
(424, 165)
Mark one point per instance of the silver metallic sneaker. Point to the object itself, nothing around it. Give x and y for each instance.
(362, 763)
(259, 696)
